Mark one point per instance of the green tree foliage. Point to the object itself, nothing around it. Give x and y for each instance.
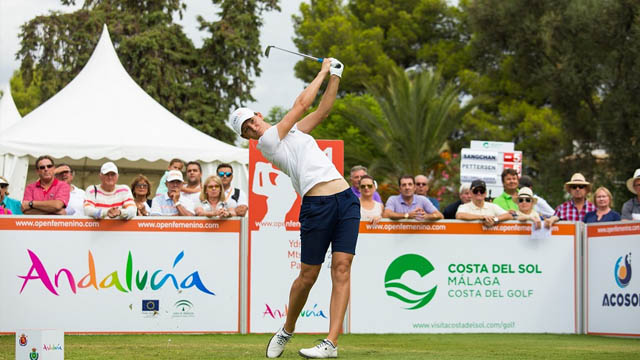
(579, 58)
(26, 98)
(199, 85)
(414, 115)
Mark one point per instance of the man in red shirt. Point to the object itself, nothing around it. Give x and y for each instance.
(48, 195)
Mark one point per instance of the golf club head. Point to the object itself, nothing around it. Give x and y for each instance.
(266, 52)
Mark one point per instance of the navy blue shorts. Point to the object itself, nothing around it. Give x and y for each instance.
(324, 220)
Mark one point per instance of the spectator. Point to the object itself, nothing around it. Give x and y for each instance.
(408, 206)
(370, 210)
(212, 200)
(422, 188)
(225, 172)
(542, 206)
(65, 173)
(357, 172)
(465, 196)
(526, 203)
(193, 187)
(174, 164)
(10, 206)
(506, 200)
(141, 188)
(603, 212)
(478, 209)
(631, 208)
(576, 208)
(172, 203)
(48, 195)
(108, 199)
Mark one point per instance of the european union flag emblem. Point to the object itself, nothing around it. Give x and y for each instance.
(150, 305)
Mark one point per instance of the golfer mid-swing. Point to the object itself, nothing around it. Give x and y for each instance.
(329, 214)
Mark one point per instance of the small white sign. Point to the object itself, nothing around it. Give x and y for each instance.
(39, 344)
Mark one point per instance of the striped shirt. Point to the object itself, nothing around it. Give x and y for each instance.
(569, 212)
(97, 202)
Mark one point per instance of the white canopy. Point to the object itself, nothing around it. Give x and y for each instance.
(104, 114)
(9, 114)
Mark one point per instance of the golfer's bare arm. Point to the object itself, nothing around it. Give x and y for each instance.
(305, 100)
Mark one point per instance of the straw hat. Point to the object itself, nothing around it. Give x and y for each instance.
(577, 179)
(527, 192)
(631, 180)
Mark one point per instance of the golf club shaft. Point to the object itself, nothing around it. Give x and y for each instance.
(299, 54)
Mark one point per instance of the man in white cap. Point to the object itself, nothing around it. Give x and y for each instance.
(172, 203)
(578, 206)
(108, 200)
(631, 208)
(330, 212)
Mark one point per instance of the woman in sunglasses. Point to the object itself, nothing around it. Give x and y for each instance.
(370, 210)
(141, 189)
(212, 200)
(525, 211)
(603, 212)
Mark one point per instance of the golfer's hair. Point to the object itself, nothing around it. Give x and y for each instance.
(358, 168)
(40, 158)
(509, 172)
(406, 177)
(367, 177)
(224, 165)
(464, 187)
(194, 163)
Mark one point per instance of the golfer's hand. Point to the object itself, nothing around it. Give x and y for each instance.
(326, 64)
(336, 68)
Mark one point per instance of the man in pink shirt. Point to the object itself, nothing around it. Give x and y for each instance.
(48, 195)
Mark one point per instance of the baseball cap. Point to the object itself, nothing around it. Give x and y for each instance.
(174, 175)
(3, 180)
(478, 183)
(238, 117)
(108, 167)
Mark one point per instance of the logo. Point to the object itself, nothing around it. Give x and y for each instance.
(395, 271)
(150, 305)
(33, 355)
(22, 340)
(183, 309)
(622, 272)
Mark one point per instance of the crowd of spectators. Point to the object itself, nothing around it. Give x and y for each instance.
(516, 202)
(55, 194)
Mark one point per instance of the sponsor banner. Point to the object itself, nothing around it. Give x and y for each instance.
(466, 280)
(612, 282)
(91, 281)
(39, 344)
(491, 145)
(439, 227)
(274, 247)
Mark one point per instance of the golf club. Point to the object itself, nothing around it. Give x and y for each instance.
(266, 53)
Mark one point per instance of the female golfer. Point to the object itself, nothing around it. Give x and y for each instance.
(329, 214)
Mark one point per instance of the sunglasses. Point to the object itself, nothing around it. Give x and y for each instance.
(142, 186)
(366, 186)
(4, 186)
(213, 187)
(527, 199)
(225, 174)
(42, 167)
(421, 184)
(479, 190)
(573, 187)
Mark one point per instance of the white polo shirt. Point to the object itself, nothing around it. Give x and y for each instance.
(488, 209)
(298, 156)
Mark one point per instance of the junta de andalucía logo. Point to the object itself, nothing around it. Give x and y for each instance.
(415, 298)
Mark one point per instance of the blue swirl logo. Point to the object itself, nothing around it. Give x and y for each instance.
(622, 271)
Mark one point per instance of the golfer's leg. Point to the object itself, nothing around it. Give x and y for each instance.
(341, 279)
(299, 293)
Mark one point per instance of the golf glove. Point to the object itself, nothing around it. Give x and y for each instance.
(336, 68)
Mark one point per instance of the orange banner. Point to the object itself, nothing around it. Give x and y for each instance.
(613, 229)
(412, 227)
(141, 224)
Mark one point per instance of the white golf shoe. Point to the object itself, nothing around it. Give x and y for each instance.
(324, 350)
(275, 348)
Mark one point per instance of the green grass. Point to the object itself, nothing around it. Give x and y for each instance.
(395, 347)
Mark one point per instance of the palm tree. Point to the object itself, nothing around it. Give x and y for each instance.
(416, 113)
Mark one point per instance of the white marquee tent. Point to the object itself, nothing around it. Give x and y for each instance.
(103, 114)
